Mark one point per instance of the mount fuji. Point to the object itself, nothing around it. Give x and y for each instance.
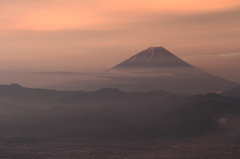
(153, 69)
(157, 60)
(153, 57)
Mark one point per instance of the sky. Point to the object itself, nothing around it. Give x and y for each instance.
(42, 36)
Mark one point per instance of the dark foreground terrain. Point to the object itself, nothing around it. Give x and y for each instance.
(109, 123)
(92, 148)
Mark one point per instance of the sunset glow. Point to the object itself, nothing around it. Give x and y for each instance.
(95, 14)
(96, 34)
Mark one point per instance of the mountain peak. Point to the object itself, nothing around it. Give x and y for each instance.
(153, 57)
(15, 85)
(151, 47)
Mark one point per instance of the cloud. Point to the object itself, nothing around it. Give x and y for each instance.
(230, 54)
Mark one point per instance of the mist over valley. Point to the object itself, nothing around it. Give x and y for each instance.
(153, 97)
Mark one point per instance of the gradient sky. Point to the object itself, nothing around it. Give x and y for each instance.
(92, 35)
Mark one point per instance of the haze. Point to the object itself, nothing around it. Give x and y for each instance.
(68, 37)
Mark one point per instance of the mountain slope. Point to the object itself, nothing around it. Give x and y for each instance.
(153, 69)
(234, 92)
(153, 57)
(111, 112)
(18, 95)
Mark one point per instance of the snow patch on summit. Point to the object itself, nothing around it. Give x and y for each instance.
(153, 57)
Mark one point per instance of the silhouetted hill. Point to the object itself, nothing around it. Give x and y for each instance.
(234, 92)
(109, 93)
(196, 118)
(18, 95)
(216, 97)
(162, 93)
(110, 112)
(17, 90)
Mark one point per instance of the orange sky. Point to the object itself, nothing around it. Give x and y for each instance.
(96, 14)
(79, 35)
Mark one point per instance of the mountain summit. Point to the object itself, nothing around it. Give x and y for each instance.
(153, 57)
(153, 69)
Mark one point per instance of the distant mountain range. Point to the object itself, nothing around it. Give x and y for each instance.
(234, 92)
(110, 112)
(152, 69)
